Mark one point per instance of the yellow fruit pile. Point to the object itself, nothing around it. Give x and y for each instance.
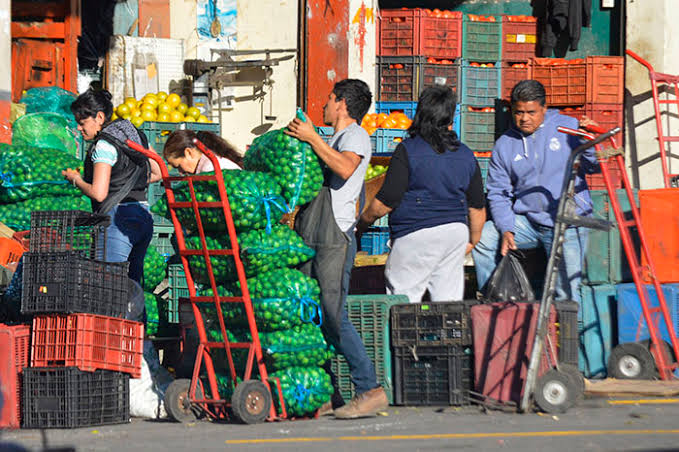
(161, 107)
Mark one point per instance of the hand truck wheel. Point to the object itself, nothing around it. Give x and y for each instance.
(555, 392)
(631, 361)
(575, 374)
(251, 401)
(177, 402)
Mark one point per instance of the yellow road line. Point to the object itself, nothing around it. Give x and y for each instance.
(642, 401)
(455, 436)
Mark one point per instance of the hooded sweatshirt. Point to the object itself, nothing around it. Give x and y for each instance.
(527, 172)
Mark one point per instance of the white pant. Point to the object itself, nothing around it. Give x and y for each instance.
(431, 258)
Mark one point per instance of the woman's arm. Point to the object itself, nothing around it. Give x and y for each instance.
(98, 189)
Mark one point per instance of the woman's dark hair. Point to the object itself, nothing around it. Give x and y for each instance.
(179, 140)
(89, 103)
(433, 118)
(357, 96)
(528, 91)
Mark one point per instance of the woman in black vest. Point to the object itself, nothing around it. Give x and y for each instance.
(433, 193)
(115, 179)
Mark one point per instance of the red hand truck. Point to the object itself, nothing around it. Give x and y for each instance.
(251, 401)
(670, 84)
(551, 390)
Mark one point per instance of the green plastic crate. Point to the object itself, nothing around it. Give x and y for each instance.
(162, 240)
(481, 41)
(605, 260)
(370, 316)
(157, 132)
(177, 288)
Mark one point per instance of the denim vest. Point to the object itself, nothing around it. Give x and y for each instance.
(436, 188)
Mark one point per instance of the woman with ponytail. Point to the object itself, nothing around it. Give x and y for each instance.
(115, 179)
(181, 153)
(433, 193)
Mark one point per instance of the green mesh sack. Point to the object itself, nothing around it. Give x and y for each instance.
(46, 130)
(155, 267)
(50, 99)
(281, 299)
(305, 389)
(28, 172)
(152, 318)
(18, 215)
(255, 200)
(260, 252)
(293, 163)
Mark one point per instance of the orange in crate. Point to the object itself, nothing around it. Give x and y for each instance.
(15, 342)
(660, 221)
(88, 342)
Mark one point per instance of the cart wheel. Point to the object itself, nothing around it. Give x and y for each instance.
(251, 401)
(575, 374)
(177, 401)
(631, 361)
(555, 392)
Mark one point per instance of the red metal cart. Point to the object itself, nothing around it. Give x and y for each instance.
(551, 391)
(669, 84)
(251, 401)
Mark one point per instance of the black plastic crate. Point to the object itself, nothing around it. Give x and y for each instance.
(431, 324)
(398, 78)
(67, 282)
(567, 316)
(66, 397)
(69, 230)
(437, 375)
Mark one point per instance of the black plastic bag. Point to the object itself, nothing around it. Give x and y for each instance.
(509, 281)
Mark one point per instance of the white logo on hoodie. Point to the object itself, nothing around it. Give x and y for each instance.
(554, 144)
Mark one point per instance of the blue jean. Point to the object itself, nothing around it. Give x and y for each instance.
(128, 236)
(528, 235)
(361, 368)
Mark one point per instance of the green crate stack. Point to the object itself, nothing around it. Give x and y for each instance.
(177, 288)
(162, 239)
(370, 316)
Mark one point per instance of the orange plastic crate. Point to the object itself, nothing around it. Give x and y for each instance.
(596, 181)
(605, 79)
(564, 80)
(607, 116)
(89, 342)
(511, 74)
(519, 38)
(415, 32)
(659, 219)
(15, 342)
(10, 251)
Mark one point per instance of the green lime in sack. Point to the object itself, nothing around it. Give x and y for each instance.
(155, 267)
(305, 389)
(152, 319)
(18, 215)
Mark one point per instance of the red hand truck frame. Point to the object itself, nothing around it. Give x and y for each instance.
(605, 157)
(672, 82)
(251, 401)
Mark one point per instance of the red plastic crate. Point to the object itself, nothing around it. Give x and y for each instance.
(573, 112)
(503, 335)
(607, 116)
(10, 251)
(596, 181)
(605, 79)
(398, 78)
(412, 32)
(15, 342)
(88, 342)
(511, 74)
(519, 38)
(564, 80)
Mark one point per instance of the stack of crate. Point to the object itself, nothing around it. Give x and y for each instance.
(82, 350)
(432, 353)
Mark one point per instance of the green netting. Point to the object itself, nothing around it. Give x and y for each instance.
(293, 163)
(50, 99)
(155, 267)
(28, 172)
(18, 215)
(305, 389)
(46, 130)
(152, 318)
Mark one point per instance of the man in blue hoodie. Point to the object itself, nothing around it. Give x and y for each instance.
(525, 179)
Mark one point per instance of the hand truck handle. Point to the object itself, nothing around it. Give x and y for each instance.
(640, 60)
(593, 141)
(150, 154)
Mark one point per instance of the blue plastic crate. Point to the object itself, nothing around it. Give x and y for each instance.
(386, 140)
(597, 329)
(408, 108)
(631, 323)
(375, 241)
(483, 165)
(382, 222)
(481, 86)
(457, 120)
(326, 133)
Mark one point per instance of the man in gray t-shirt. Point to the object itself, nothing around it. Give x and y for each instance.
(347, 157)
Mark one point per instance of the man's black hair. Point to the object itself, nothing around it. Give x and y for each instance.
(529, 91)
(433, 118)
(357, 96)
(89, 103)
